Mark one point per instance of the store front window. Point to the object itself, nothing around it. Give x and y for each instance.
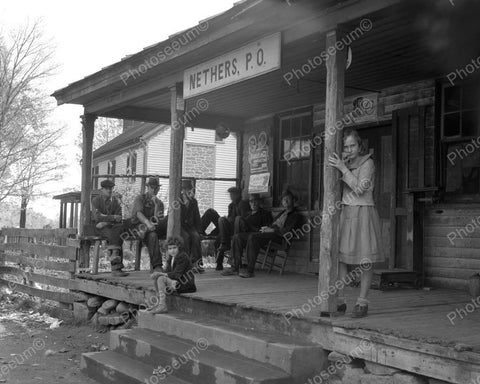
(294, 156)
(461, 142)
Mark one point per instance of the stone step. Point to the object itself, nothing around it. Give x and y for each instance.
(295, 357)
(196, 362)
(109, 367)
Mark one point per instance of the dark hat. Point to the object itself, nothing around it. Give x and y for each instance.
(187, 184)
(234, 190)
(288, 193)
(107, 184)
(153, 182)
(255, 196)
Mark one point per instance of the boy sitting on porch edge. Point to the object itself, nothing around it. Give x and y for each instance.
(178, 276)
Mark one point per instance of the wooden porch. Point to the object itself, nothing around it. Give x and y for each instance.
(409, 329)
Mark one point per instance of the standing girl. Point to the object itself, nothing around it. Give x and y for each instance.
(360, 233)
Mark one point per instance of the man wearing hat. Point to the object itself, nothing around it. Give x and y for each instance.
(149, 218)
(191, 224)
(107, 215)
(286, 222)
(244, 226)
(224, 226)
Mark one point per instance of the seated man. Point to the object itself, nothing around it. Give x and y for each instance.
(224, 226)
(148, 218)
(287, 221)
(107, 215)
(256, 219)
(191, 225)
(178, 277)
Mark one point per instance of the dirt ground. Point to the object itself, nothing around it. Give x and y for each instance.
(39, 347)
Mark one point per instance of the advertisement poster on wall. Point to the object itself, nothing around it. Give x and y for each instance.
(258, 152)
(259, 183)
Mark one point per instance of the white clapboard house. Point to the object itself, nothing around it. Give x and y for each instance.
(144, 149)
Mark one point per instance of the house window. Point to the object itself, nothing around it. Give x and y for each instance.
(111, 169)
(294, 157)
(95, 171)
(132, 164)
(460, 143)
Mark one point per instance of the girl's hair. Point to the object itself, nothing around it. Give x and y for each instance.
(178, 241)
(353, 133)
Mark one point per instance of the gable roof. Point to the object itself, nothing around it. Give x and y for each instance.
(130, 137)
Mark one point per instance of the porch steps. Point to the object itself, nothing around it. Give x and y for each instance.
(193, 350)
(194, 362)
(109, 367)
(287, 353)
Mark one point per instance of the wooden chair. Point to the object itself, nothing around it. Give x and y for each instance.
(90, 238)
(274, 255)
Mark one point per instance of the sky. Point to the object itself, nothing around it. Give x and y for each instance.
(91, 34)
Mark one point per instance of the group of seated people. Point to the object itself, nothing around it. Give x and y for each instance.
(247, 226)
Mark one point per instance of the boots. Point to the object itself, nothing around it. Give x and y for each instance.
(116, 261)
(160, 288)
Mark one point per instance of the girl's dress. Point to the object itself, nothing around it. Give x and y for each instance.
(360, 230)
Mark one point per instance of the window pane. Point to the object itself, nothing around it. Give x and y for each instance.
(469, 97)
(306, 148)
(307, 125)
(296, 127)
(287, 150)
(452, 99)
(295, 146)
(451, 125)
(463, 168)
(285, 129)
(282, 176)
(469, 123)
(299, 181)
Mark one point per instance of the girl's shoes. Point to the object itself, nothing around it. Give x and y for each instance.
(341, 309)
(360, 311)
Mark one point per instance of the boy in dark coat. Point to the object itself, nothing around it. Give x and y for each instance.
(178, 276)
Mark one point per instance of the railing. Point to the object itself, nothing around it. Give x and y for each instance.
(39, 262)
(105, 176)
(144, 178)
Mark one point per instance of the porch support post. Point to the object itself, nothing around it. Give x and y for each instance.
(335, 85)
(176, 157)
(88, 129)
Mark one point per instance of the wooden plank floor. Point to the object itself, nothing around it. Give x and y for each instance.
(405, 313)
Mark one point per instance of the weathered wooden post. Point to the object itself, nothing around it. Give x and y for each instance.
(71, 215)
(177, 107)
(328, 273)
(88, 129)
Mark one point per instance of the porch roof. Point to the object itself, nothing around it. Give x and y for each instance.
(393, 52)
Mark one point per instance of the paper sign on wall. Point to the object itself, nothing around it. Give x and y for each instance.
(259, 183)
(258, 152)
